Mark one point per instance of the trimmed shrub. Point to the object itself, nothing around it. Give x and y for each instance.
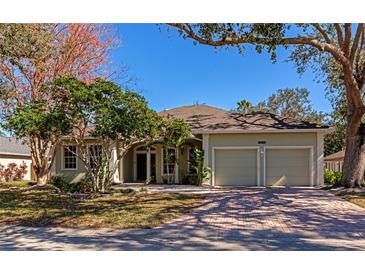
(61, 183)
(332, 177)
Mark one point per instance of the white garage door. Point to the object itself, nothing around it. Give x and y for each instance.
(287, 167)
(235, 167)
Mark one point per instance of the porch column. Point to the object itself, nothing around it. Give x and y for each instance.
(120, 165)
(121, 170)
(148, 165)
(176, 168)
(114, 165)
(205, 146)
(319, 160)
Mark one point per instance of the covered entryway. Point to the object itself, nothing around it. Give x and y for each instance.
(236, 166)
(288, 166)
(145, 164)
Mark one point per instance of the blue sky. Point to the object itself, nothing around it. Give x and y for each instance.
(170, 71)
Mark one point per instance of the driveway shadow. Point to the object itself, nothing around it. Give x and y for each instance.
(232, 219)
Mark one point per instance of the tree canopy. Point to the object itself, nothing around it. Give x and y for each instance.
(289, 102)
(115, 118)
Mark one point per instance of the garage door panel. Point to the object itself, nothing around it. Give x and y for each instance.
(236, 182)
(294, 162)
(288, 170)
(236, 167)
(287, 181)
(230, 172)
(287, 167)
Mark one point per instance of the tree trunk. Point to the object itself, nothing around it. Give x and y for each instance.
(42, 178)
(42, 171)
(354, 162)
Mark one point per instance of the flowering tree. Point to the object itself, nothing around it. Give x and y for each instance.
(31, 57)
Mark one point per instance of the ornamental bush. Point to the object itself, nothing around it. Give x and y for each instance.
(60, 181)
(332, 177)
(13, 172)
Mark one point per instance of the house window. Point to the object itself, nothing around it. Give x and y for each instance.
(69, 157)
(95, 154)
(169, 161)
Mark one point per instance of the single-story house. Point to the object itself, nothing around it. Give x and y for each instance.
(15, 151)
(257, 149)
(335, 161)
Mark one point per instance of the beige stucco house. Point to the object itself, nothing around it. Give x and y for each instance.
(257, 149)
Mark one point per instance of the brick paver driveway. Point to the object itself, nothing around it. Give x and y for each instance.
(231, 219)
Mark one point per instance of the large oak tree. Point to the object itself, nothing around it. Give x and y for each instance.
(313, 45)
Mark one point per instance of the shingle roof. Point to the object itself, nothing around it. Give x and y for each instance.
(339, 155)
(13, 146)
(204, 118)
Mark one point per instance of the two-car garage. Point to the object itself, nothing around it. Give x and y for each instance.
(262, 166)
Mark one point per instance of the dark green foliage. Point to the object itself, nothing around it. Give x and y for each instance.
(114, 113)
(174, 132)
(36, 119)
(115, 117)
(197, 167)
(335, 141)
(62, 184)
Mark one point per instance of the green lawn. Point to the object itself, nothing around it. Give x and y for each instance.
(46, 208)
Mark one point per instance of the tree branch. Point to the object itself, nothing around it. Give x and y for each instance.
(322, 32)
(339, 34)
(335, 51)
(231, 40)
(355, 44)
(347, 41)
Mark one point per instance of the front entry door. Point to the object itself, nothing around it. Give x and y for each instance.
(141, 167)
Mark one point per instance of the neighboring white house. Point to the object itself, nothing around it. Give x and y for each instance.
(335, 161)
(15, 151)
